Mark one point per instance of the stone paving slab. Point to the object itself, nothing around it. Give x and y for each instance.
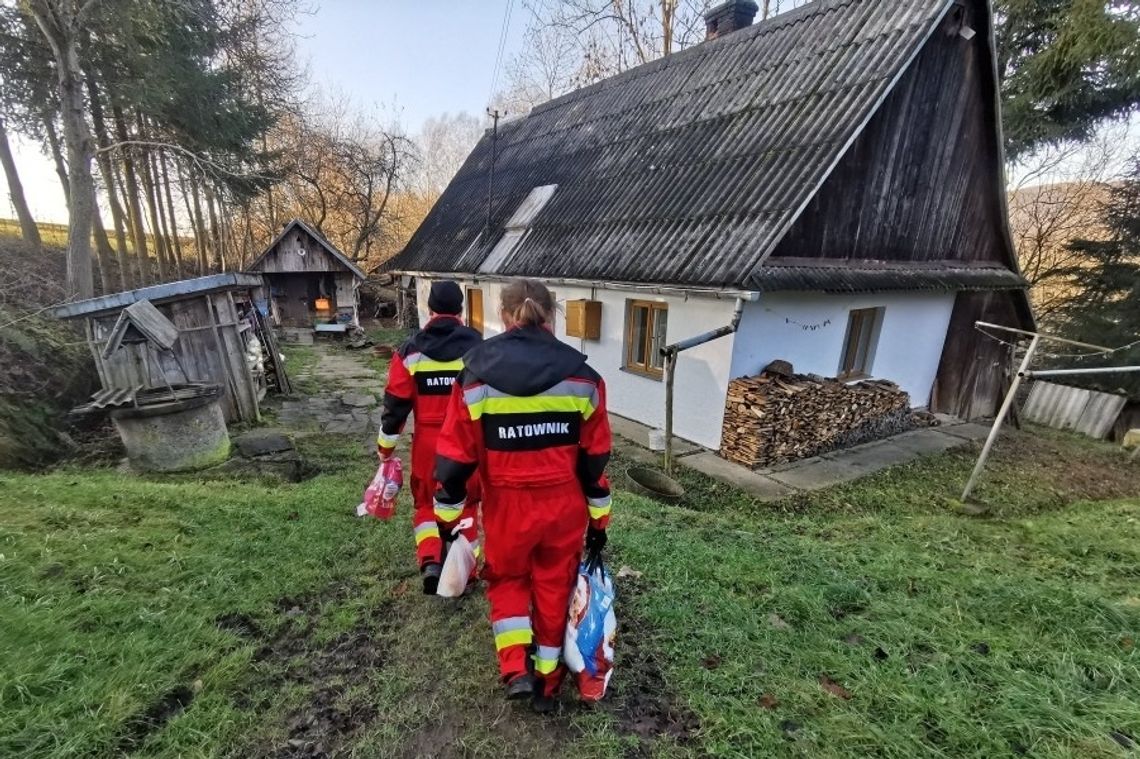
(760, 486)
(358, 400)
(821, 474)
(967, 431)
(927, 441)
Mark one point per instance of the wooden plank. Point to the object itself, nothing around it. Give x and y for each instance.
(234, 350)
(269, 340)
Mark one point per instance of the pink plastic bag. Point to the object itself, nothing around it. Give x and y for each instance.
(380, 495)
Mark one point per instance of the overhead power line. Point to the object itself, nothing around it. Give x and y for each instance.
(501, 49)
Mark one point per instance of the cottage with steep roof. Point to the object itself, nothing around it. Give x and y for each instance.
(835, 171)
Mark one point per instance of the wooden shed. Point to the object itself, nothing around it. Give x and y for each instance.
(217, 326)
(309, 283)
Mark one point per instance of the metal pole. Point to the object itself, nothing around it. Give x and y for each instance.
(1090, 370)
(1043, 336)
(670, 373)
(1002, 413)
(494, 114)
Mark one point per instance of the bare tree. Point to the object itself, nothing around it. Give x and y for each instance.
(1057, 197)
(575, 43)
(443, 145)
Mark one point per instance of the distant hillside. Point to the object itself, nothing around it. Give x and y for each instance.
(56, 235)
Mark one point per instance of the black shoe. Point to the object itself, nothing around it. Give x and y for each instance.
(522, 686)
(430, 572)
(543, 704)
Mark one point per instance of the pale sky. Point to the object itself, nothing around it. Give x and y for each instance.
(413, 59)
(409, 59)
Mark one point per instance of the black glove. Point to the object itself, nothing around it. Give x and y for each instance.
(447, 534)
(595, 542)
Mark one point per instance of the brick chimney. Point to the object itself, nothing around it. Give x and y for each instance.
(728, 17)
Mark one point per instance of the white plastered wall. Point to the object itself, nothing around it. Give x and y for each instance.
(808, 329)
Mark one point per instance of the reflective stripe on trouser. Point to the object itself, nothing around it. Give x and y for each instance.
(532, 539)
(546, 659)
(429, 547)
(512, 631)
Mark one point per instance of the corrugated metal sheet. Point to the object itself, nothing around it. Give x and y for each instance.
(688, 169)
(164, 293)
(1073, 408)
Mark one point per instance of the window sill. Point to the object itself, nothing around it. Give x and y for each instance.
(641, 373)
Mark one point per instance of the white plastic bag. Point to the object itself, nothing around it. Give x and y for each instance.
(588, 648)
(459, 564)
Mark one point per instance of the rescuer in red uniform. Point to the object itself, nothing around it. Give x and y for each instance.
(530, 416)
(419, 382)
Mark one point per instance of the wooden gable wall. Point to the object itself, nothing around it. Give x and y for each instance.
(284, 258)
(921, 183)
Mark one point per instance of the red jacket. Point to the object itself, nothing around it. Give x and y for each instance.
(421, 375)
(529, 412)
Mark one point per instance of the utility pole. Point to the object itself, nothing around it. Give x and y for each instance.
(495, 116)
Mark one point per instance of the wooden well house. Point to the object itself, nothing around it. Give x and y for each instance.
(221, 339)
(308, 282)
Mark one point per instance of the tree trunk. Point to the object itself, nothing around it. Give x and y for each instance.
(215, 231)
(160, 207)
(57, 157)
(28, 228)
(194, 219)
(59, 27)
(248, 251)
(170, 212)
(132, 193)
(103, 158)
(200, 236)
(106, 253)
(151, 207)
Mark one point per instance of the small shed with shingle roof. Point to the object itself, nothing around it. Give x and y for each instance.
(309, 282)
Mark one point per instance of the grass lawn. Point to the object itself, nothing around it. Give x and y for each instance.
(153, 618)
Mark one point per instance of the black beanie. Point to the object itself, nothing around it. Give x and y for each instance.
(445, 298)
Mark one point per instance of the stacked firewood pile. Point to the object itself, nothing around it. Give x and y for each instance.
(775, 418)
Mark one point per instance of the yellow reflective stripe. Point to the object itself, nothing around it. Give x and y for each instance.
(513, 638)
(531, 405)
(545, 666)
(447, 513)
(597, 512)
(425, 531)
(546, 659)
(428, 365)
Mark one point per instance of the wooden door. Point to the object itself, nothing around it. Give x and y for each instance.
(293, 301)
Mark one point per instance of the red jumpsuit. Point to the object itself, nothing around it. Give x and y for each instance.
(419, 382)
(530, 415)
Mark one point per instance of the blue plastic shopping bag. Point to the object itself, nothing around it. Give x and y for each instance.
(589, 645)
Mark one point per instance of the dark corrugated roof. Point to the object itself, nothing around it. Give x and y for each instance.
(874, 276)
(688, 169)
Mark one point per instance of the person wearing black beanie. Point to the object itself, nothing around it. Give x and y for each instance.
(419, 382)
(445, 297)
